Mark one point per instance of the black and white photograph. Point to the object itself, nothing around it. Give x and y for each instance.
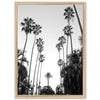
(50, 49)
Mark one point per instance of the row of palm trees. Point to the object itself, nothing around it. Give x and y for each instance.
(62, 63)
(29, 26)
(69, 14)
(39, 59)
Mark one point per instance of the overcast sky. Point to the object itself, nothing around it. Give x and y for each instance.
(51, 18)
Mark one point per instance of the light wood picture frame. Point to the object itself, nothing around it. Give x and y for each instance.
(30, 19)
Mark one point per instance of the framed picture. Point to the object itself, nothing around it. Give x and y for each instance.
(50, 50)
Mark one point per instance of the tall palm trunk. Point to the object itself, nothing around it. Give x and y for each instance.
(67, 48)
(31, 59)
(59, 54)
(47, 81)
(63, 53)
(71, 44)
(60, 67)
(40, 74)
(35, 71)
(37, 77)
(78, 19)
(60, 76)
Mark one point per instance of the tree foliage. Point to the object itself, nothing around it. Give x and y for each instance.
(73, 73)
(22, 73)
(47, 90)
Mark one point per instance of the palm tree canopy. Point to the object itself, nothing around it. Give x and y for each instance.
(36, 29)
(69, 13)
(60, 62)
(41, 59)
(39, 41)
(67, 30)
(62, 40)
(48, 75)
(40, 48)
(27, 25)
(59, 46)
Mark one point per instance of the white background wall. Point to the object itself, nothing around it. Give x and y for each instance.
(7, 49)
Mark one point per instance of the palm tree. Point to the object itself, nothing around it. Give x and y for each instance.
(27, 28)
(36, 31)
(37, 76)
(60, 64)
(58, 46)
(62, 40)
(39, 43)
(68, 32)
(69, 14)
(78, 19)
(48, 76)
(41, 59)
